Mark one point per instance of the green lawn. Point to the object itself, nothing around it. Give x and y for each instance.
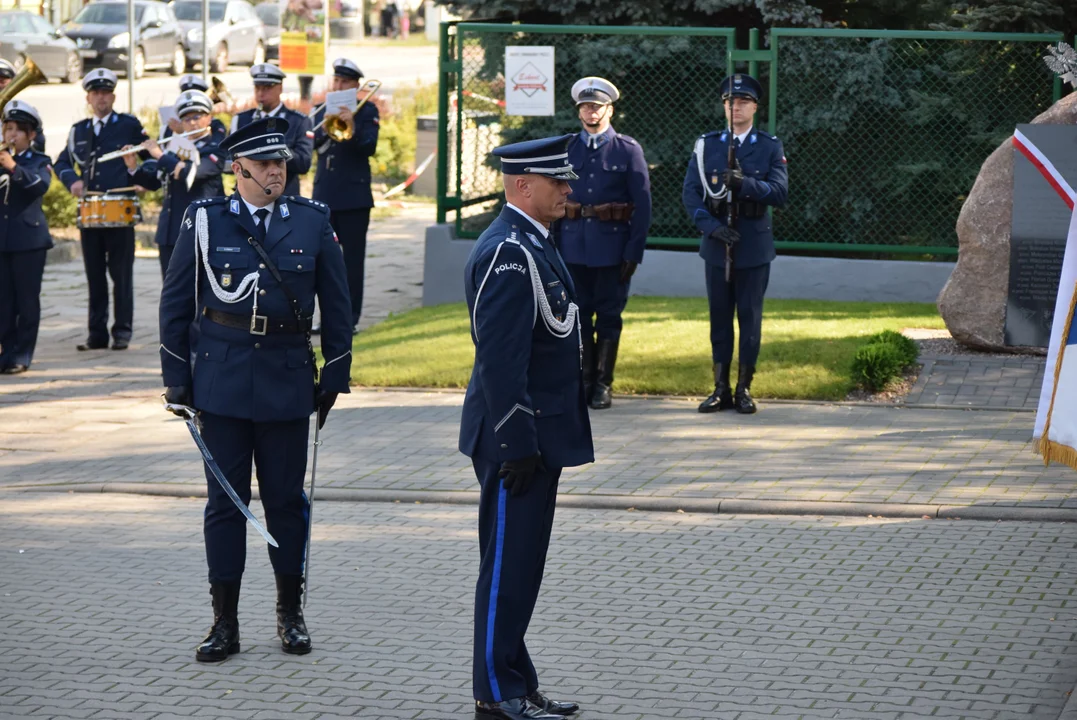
(808, 346)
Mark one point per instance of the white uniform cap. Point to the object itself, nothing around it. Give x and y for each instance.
(594, 90)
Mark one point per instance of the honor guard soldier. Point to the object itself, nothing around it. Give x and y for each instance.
(7, 74)
(250, 372)
(342, 180)
(104, 249)
(756, 180)
(25, 174)
(186, 179)
(524, 418)
(268, 85)
(605, 229)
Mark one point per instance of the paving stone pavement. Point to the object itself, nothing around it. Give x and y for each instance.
(642, 616)
(978, 380)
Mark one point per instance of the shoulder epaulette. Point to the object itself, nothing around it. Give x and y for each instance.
(308, 202)
(712, 133)
(627, 139)
(202, 202)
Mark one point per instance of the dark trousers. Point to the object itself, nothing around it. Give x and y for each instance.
(514, 534)
(165, 257)
(110, 250)
(351, 227)
(279, 451)
(744, 292)
(20, 305)
(602, 296)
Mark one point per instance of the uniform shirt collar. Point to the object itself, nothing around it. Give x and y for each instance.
(536, 223)
(273, 112)
(744, 135)
(254, 208)
(103, 121)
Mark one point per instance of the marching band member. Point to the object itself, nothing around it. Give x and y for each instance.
(7, 74)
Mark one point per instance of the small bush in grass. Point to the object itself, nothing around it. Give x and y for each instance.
(906, 347)
(876, 364)
(61, 208)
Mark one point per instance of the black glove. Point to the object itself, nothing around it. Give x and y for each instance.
(628, 269)
(726, 234)
(178, 395)
(734, 178)
(324, 402)
(516, 475)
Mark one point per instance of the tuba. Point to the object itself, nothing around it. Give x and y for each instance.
(30, 74)
(218, 92)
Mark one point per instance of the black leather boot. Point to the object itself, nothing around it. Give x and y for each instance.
(223, 638)
(722, 397)
(607, 360)
(291, 628)
(743, 398)
(587, 357)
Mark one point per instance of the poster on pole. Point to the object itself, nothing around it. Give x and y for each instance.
(304, 32)
(529, 74)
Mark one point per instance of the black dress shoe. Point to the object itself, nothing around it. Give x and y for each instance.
(120, 344)
(90, 345)
(291, 627)
(515, 709)
(15, 369)
(722, 397)
(555, 707)
(743, 398)
(223, 637)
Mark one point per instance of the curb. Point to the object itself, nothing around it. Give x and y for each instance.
(710, 506)
(1069, 711)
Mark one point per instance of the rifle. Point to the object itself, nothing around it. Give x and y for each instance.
(731, 205)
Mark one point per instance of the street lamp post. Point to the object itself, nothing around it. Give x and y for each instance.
(205, 41)
(131, 56)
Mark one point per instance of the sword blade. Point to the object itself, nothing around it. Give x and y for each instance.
(310, 509)
(216, 470)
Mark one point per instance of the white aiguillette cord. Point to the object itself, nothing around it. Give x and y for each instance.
(247, 286)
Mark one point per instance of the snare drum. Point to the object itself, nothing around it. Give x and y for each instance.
(108, 211)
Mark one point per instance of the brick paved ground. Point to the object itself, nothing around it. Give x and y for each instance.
(642, 616)
(978, 380)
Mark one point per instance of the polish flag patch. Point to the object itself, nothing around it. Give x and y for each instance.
(784, 161)
(335, 238)
(214, 157)
(310, 134)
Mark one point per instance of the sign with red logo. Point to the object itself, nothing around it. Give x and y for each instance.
(529, 80)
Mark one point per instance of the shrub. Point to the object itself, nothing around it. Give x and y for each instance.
(907, 348)
(875, 365)
(394, 159)
(59, 205)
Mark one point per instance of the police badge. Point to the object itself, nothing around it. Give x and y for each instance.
(226, 280)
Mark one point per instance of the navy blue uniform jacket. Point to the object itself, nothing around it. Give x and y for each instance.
(766, 181)
(23, 225)
(299, 139)
(263, 378)
(342, 180)
(615, 172)
(526, 389)
(78, 161)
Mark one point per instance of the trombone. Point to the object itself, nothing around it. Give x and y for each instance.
(142, 146)
(336, 128)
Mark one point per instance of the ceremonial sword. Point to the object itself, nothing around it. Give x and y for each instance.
(310, 508)
(189, 417)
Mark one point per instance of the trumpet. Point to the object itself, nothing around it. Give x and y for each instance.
(336, 128)
(161, 143)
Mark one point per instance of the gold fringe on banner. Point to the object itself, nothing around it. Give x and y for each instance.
(1056, 452)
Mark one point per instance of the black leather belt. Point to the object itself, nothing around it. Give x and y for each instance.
(258, 324)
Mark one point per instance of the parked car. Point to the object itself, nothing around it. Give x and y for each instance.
(24, 34)
(235, 33)
(100, 32)
(269, 13)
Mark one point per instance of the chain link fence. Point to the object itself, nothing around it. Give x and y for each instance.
(885, 132)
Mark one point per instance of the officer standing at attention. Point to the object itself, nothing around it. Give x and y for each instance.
(605, 229)
(7, 74)
(250, 372)
(342, 180)
(268, 84)
(167, 170)
(757, 180)
(103, 249)
(524, 418)
(25, 174)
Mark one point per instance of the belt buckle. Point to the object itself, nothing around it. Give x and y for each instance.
(259, 324)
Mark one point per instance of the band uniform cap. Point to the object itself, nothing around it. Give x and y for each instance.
(546, 156)
(595, 90)
(7, 70)
(193, 82)
(261, 140)
(741, 85)
(21, 111)
(345, 68)
(267, 74)
(100, 79)
(192, 101)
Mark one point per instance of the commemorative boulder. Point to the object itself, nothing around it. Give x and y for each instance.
(973, 302)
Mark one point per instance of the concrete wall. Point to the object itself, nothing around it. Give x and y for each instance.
(680, 274)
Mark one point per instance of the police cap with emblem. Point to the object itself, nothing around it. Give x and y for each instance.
(742, 86)
(345, 68)
(267, 74)
(7, 70)
(193, 101)
(261, 140)
(594, 90)
(193, 82)
(22, 112)
(547, 156)
(99, 79)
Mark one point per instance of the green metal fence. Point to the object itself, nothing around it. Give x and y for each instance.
(885, 131)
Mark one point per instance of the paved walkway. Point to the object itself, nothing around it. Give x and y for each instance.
(978, 381)
(642, 616)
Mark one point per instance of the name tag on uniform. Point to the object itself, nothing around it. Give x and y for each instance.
(227, 249)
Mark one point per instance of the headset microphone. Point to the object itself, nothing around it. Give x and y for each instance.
(243, 171)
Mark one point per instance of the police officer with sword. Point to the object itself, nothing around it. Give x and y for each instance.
(246, 270)
(734, 175)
